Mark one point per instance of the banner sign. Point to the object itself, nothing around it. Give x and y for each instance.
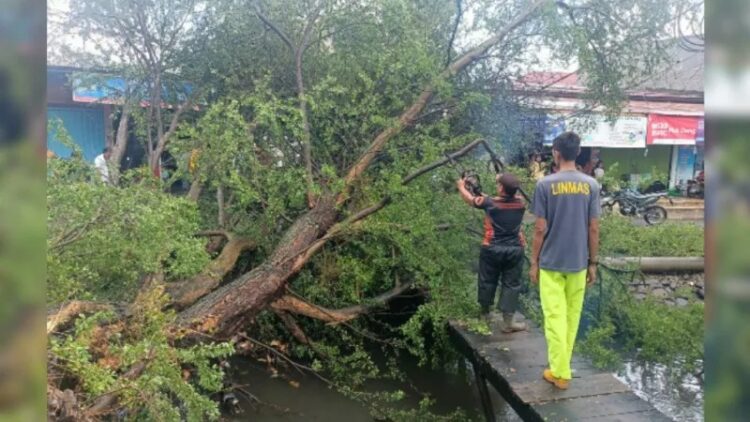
(672, 130)
(596, 131)
(700, 134)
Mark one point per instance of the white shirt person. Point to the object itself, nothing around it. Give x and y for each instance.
(101, 163)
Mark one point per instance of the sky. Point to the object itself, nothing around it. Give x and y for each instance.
(466, 37)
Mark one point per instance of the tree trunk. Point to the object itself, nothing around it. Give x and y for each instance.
(121, 143)
(253, 291)
(195, 189)
(185, 293)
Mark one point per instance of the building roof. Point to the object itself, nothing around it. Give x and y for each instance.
(683, 73)
(675, 89)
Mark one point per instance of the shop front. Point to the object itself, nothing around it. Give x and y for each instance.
(622, 142)
(644, 146)
(685, 136)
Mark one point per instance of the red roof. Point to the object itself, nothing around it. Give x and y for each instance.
(558, 79)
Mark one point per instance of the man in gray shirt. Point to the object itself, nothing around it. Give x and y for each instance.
(564, 252)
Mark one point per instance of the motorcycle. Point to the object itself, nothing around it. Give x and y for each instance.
(632, 203)
(695, 188)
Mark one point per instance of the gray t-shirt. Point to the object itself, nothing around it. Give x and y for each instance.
(567, 200)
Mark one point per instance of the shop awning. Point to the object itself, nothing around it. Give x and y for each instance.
(673, 130)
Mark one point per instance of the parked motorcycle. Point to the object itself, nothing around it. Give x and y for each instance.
(632, 203)
(695, 188)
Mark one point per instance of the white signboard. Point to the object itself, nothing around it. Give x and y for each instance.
(595, 131)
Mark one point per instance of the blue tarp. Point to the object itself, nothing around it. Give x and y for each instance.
(110, 91)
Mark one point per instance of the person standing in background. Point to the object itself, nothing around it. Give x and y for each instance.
(537, 167)
(101, 163)
(599, 171)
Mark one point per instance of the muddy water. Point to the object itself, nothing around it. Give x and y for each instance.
(682, 399)
(312, 400)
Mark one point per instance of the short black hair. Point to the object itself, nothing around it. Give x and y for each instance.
(568, 144)
(510, 183)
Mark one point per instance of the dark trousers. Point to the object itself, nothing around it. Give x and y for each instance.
(504, 263)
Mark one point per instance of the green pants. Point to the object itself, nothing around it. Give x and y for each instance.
(562, 300)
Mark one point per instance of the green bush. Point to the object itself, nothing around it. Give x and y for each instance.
(103, 239)
(620, 237)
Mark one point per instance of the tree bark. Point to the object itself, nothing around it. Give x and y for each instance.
(220, 205)
(196, 187)
(121, 143)
(187, 292)
(294, 304)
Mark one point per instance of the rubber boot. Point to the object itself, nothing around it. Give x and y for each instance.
(557, 382)
(511, 326)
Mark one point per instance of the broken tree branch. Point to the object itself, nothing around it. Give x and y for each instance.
(71, 310)
(296, 304)
(292, 326)
(336, 229)
(106, 403)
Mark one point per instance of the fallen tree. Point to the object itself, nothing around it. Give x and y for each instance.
(246, 296)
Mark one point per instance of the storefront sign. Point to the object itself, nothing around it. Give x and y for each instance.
(596, 131)
(672, 130)
(700, 134)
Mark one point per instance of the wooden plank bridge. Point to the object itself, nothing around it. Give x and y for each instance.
(513, 365)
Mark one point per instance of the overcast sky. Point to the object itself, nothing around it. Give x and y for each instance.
(465, 38)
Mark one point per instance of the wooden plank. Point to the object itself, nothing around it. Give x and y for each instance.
(513, 364)
(519, 366)
(652, 415)
(618, 406)
(590, 386)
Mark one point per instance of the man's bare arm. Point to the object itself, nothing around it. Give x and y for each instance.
(593, 240)
(540, 228)
(593, 250)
